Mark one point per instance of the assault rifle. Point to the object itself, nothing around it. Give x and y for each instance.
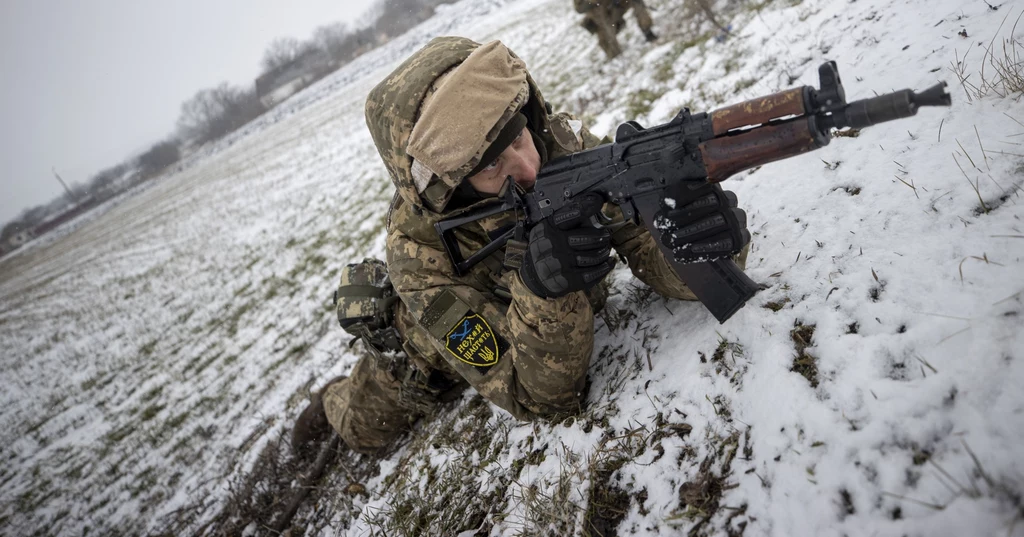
(710, 147)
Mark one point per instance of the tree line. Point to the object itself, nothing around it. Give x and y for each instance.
(215, 112)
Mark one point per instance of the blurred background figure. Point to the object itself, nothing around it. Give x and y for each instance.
(606, 17)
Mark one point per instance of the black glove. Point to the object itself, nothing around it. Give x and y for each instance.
(701, 223)
(566, 254)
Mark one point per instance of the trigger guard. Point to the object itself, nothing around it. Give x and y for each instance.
(601, 220)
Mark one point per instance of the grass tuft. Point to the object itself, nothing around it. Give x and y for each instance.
(1001, 70)
(804, 363)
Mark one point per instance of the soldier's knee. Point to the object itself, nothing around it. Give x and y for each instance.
(363, 411)
(557, 412)
(552, 406)
(362, 442)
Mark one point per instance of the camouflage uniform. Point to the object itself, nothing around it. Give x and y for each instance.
(606, 17)
(484, 329)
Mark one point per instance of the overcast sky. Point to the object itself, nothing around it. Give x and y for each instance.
(86, 83)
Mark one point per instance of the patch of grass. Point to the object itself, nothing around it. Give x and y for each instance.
(298, 350)
(608, 503)
(804, 363)
(777, 305)
(92, 382)
(757, 5)
(75, 472)
(277, 363)
(176, 422)
(447, 500)
(39, 424)
(322, 240)
(115, 436)
(186, 316)
(151, 412)
(847, 502)
(243, 289)
(201, 362)
(143, 482)
(700, 498)
(664, 71)
(148, 348)
(152, 394)
(640, 101)
(731, 64)
(1001, 67)
(743, 84)
(725, 357)
(232, 320)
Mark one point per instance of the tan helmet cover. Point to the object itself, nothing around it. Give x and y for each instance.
(464, 114)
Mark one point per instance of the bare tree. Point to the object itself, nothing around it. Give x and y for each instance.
(160, 156)
(337, 41)
(107, 179)
(212, 113)
(281, 52)
(397, 16)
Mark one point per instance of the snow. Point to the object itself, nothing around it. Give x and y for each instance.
(150, 352)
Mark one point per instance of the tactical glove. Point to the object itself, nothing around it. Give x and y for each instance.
(564, 253)
(701, 223)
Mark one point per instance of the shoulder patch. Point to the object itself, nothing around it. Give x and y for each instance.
(463, 332)
(473, 341)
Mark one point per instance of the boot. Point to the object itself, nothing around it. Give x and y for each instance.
(650, 36)
(311, 427)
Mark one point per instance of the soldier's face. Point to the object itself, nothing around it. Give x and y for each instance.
(519, 160)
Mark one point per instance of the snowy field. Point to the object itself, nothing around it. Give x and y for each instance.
(874, 388)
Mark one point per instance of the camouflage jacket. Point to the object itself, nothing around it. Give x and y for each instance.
(431, 123)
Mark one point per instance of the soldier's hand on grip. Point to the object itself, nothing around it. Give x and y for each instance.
(566, 254)
(701, 223)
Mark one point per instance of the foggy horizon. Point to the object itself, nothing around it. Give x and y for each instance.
(94, 85)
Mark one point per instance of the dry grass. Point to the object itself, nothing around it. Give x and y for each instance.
(804, 363)
(1002, 67)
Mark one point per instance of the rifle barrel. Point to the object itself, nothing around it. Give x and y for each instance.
(900, 104)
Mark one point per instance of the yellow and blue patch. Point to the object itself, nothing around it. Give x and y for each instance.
(464, 333)
(473, 341)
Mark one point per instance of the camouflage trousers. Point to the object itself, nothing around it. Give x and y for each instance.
(605, 20)
(382, 398)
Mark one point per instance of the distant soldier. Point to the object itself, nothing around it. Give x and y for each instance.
(606, 17)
